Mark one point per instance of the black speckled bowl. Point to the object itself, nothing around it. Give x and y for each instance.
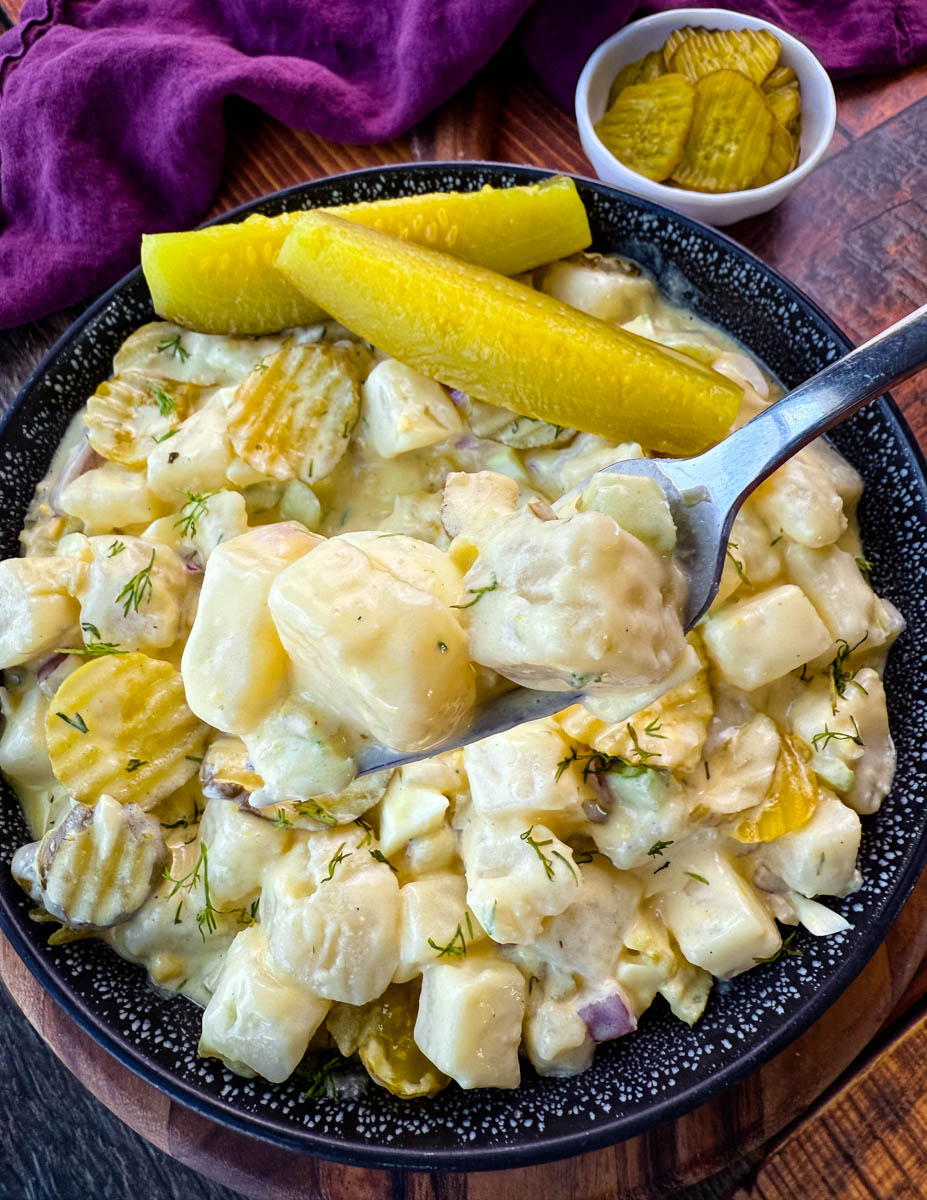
(666, 1068)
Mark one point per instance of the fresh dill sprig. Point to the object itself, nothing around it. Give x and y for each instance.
(478, 594)
(319, 1078)
(653, 729)
(312, 808)
(166, 402)
(367, 828)
(642, 754)
(380, 857)
(116, 548)
(546, 862)
(738, 564)
(137, 590)
(338, 857)
(134, 763)
(657, 848)
(164, 436)
(193, 512)
(697, 878)
(865, 566)
(841, 677)
(820, 740)
(456, 947)
(282, 821)
(173, 346)
(786, 948)
(76, 722)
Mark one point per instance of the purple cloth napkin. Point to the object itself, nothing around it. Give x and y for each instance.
(111, 110)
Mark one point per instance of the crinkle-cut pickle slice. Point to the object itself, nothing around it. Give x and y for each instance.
(119, 725)
(292, 416)
(647, 125)
(499, 341)
(642, 71)
(790, 804)
(730, 136)
(753, 52)
(780, 158)
(222, 279)
(127, 413)
(783, 95)
(675, 40)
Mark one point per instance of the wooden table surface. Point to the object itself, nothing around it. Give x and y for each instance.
(853, 237)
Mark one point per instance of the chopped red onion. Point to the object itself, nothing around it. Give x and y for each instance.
(50, 664)
(607, 1017)
(83, 458)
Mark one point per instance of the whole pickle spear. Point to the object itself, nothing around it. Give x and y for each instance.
(222, 279)
(500, 341)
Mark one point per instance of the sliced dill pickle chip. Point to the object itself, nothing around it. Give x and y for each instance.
(642, 71)
(784, 98)
(789, 804)
(127, 414)
(120, 726)
(779, 77)
(293, 414)
(754, 52)
(675, 40)
(646, 127)
(730, 136)
(489, 336)
(780, 156)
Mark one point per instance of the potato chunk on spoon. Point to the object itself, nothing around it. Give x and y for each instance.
(705, 494)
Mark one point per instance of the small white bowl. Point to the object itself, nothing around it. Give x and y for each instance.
(818, 114)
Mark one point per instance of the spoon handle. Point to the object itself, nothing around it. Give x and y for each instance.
(746, 457)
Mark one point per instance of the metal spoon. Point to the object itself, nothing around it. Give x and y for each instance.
(705, 494)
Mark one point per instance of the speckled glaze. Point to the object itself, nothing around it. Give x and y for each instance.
(666, 1068)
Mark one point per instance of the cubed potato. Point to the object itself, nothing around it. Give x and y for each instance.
(195, 459)
(820, 858)
(234, 667)
(409, 810)
(756, 641)
(606, 288)
(386, 656)
(802, 501)
(159, 618)
(585, 939)
(23, 752)
(433, 910)
(111, 497)
(849, 730)
(833, 582)
(556, 1037)
(514, 883)
(648, 806)
(338, 937)
(225, 517)
(36, 612)
(714, 914)
(403, 410)
(528, 772)
(241, 846)
(637, 503)
(469, 1021)
(473, 499)
(572, 602)
(256, 1023)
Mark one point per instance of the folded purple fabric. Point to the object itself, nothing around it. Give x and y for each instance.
(111, 110)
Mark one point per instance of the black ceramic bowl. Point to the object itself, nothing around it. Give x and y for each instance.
(665, 1068)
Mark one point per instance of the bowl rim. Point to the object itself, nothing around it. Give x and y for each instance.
(550, 1147)
(710, 201)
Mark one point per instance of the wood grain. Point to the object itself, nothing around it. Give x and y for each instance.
(727, 1130)
(852, 236)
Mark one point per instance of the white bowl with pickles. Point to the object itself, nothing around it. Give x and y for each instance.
(713, 132)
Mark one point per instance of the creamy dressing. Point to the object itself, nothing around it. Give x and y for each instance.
(543, 886)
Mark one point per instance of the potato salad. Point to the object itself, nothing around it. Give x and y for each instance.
(253, 557)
